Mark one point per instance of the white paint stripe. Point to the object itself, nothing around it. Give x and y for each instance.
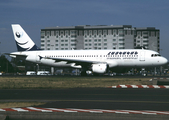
(159, 112)
(149, 113)
(131, 110)
(114, 86)
(145, 86)
(61, 110)
(96, 111)
(156, 86)
(107, 111)
(20, 110)
(123, 86)
(92, 110)
(32, 108)
(166, 86)
(89, 110)
(46, 111)
(134, 86)
(122, 112)
(2, 110)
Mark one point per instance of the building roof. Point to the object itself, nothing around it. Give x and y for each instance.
(88, 27)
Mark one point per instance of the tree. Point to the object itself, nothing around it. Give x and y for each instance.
(5, 65)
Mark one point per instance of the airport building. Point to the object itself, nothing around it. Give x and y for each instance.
(100, 37)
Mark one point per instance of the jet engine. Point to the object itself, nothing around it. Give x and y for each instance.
(100, 68)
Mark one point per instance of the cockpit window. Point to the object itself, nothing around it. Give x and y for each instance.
(155, 55)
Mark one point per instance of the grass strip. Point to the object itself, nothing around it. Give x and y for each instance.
(45, 82)
(19, 104)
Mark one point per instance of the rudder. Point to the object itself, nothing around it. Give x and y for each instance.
(23, 41)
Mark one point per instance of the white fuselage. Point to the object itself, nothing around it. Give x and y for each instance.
(114, 58)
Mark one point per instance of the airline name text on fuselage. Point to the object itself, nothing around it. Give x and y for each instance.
(122, 55)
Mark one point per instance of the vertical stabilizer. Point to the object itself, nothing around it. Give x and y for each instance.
(23, 41)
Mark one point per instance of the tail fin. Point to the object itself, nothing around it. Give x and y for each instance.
(23, 41)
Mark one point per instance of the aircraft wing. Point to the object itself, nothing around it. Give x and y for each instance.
(76, 61)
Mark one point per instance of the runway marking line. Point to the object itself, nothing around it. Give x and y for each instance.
(140, 86)
(74, 110)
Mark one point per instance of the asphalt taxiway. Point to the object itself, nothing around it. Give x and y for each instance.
(94, 98)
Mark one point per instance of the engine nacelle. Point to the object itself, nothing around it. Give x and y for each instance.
(100, 68)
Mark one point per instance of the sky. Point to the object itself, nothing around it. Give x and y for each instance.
(34, 15)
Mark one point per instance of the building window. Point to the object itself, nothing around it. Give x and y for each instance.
(121, 32)
(73, 40)
(121, 43)
(73, 31)
(62, 40)
(114, 32)
(85, 32)
(61, 32)
(105, 44)
(138, 33)
(121, 47)
(145, 41)
(100, 31)
(73, 44)
(121, 40)
(48, 33)
(57, 32)
(73, 36)
(66, 32)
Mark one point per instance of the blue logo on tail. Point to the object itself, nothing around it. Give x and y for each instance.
(18, 35)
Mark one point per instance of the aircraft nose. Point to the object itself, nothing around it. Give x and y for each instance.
(165, 61)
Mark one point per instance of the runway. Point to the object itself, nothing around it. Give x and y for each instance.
(93, 98)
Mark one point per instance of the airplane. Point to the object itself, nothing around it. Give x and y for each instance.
(98, 61)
